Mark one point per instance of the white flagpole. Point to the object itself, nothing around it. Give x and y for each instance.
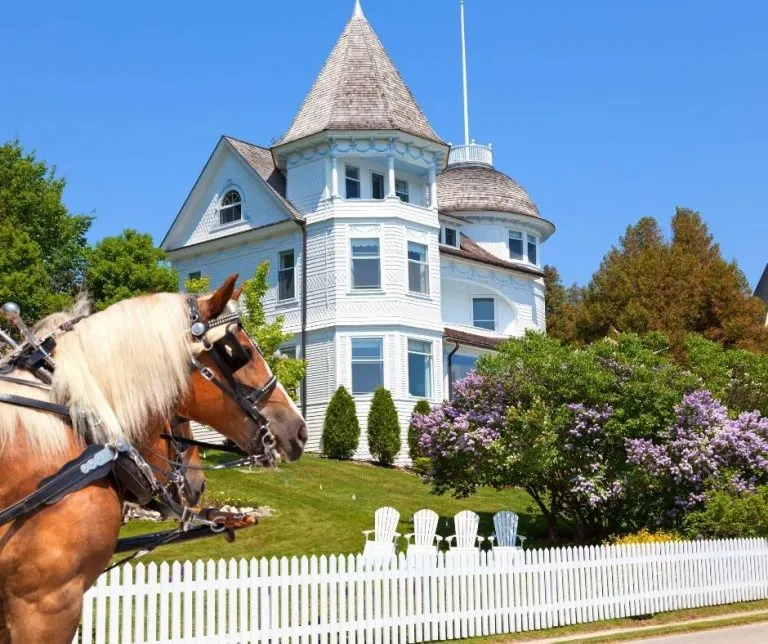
(464, 74)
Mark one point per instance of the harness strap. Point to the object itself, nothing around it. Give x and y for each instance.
(94, 464)
(31, 403)
(190, 442)
(26, 383)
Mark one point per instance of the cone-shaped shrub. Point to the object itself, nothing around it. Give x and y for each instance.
(341, 431)
(422, 407)
(383, 428)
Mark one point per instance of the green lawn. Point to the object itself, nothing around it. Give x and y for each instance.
(315, 511)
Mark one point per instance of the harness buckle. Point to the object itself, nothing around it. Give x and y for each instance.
(207, 373)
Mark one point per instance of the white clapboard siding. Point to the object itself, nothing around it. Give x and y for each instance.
(335, 599)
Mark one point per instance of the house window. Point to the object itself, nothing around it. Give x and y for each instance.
(286, 284)
(366, 271)
(401, 190)
(516, 245)
(367, 365)
(288, 352)
(420, 368)
(377, 185)
(418, 268)
(483, 313)
(352, 175)
(533, 249)
(231, 208)
(461, 365)
(450, 237)
(194, 275)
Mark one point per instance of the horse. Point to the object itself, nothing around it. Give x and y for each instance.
(121, 373)
(177, 464)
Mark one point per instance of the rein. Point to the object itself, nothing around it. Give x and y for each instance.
(129, 470)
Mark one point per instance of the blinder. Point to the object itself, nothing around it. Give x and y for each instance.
(230, 356)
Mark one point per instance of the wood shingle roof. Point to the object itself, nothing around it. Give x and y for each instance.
(359, 88)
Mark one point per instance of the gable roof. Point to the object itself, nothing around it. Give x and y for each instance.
(761, 290)
(472, 252)
(260, 159)
(359, 89)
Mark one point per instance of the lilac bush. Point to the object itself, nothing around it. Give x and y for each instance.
(704, 450)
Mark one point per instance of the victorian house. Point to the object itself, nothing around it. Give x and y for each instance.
(395, 258)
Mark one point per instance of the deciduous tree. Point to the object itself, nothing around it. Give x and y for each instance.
(127, 265)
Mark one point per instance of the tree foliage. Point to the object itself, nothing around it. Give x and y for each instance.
(270, 335)
(383, 428)
(422, 407)
(562, 306)
(44, 246)
(23, 276)
(612, 437)
(197, 285)
(676, 287)
(341, 429)
(125, 266)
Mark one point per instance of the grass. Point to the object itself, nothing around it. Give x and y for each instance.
(677, 621)
(321, 506)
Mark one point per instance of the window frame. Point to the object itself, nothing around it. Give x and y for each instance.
(424, 264)
(526, 238)
(532, 239)
(444, 236)
(292, 348)
(356, 180)
(237, 205)
(375, 173)
(353, 361)
(195, 275)
(521, 239)
(352, 259)
(281, 270)
(495, 312)
(429, 371)
(400, 193)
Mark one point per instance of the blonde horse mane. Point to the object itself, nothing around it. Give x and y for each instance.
(116, 371)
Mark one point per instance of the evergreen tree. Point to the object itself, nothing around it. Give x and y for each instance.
(562, 306)
(383, 428)
(422, 407)
(341, 429)
(677, 287)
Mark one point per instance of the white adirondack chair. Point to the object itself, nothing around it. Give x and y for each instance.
(465, 540)
(382, 545)
(424, 535)
(506, 537)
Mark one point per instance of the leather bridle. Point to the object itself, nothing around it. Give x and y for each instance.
(227, 354)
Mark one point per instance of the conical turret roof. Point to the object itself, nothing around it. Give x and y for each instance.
(359, 89)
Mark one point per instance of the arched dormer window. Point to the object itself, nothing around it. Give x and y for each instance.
(231, 208)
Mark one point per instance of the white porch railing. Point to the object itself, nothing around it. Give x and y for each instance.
(472, 153)
(346, 599)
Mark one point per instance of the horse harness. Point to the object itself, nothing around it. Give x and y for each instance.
(121, 461)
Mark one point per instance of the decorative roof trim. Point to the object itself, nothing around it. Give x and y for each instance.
(471, 252)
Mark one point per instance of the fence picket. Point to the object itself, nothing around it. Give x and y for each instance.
(338, 599)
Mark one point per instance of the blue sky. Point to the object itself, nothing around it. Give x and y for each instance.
(605, 111)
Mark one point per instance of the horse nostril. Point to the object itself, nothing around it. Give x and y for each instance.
(303, 433)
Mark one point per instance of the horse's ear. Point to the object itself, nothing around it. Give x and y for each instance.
(213, 306)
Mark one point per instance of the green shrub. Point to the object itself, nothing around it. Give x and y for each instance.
(383, 428)
(341, 430)
(644, 536)
(726, 515)
(422, 407)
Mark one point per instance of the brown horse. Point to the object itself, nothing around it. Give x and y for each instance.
(121, 373)
(168, 456)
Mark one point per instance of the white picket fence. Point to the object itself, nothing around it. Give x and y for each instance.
(346, 599)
